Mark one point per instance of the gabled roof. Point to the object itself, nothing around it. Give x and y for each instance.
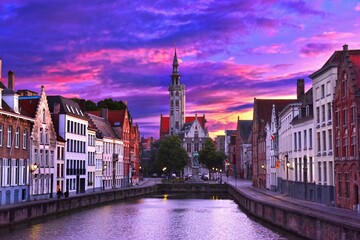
(103, 126)
(333, 61)
(245, 128)
(263, 107)
(67, 106)
(116, 118)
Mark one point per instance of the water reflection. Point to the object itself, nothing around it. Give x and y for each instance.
(157, 217)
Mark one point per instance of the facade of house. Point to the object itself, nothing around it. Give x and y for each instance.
(220, 143)
(43, 146)
(15, 165)
(242, 143)
(324, 81)
(346, 129)
(261, 117)
(72, 125)
(135, 153)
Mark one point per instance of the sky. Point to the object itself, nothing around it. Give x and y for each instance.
(229, 51)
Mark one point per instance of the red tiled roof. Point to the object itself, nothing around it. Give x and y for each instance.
(263, 107)
(115, 117)
(28, 106)
(165, 123)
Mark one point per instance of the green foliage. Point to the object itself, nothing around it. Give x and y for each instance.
(171, 155)
(110, 104)
(210, 157)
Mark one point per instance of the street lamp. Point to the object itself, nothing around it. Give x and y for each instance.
(103, 170)
(220, 176)
(33, 168)
(287, 176)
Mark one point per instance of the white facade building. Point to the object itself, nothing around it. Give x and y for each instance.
(324, 81)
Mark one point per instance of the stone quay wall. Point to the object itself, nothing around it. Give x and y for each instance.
(14, 214)
(302, 222)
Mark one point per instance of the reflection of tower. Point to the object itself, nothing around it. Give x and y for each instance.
(177, 100)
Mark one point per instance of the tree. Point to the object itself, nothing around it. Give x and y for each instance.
(210, 157)
(110, 104)
(171, 155)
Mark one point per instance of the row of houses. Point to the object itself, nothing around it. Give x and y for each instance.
(49, 144)
(308, 147)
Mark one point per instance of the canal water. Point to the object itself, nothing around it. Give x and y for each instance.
(160, 217)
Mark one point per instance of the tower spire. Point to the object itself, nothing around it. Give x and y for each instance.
(175, 63)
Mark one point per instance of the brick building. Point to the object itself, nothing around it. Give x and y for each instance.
(15, 125)
(346, 129)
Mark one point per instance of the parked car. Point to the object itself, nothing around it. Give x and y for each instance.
(205, 177)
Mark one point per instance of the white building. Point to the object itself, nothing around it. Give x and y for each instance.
(99, 146)
(72, 125)
(112, 154)
(286, 175)
(324, 81)
(91, 150)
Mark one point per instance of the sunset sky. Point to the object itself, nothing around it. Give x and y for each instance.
(229, 51)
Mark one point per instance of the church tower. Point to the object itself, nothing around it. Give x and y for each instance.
(177, 100)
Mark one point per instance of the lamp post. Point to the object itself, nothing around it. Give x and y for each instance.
(33, 168)
(287, 176)
(262, 180)
(220, 176)
(103, 170)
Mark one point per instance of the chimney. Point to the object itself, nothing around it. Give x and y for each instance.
(300, 89)
(11, 80)
(104, 113)
(345, 48)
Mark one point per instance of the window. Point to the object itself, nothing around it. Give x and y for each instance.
(188, 147)
(296, 169)
(325, 172)
(196, 147)
(311, 169)
(324, 140)
(328, 88)
(41, 135)
(322, 91)
(329, 111)
(323, 113)
(295, 142)
(318, 142)
(330, 139)
(17, 137)
(177, 103)
(319, 170)
(46, 136)
(317, 115)
(310, 138)
(347, 185)
(9, 135)
(24, 141)
(353, 115)
(345, 117)
(307, 110)
(176, 125)
(337, 118)
(1, 135)
(305, 140)
(299, 133)
(43, 116)
(196, 134)
(344, 86)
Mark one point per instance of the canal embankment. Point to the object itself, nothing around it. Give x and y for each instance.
(306, 219)
(19, 213)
